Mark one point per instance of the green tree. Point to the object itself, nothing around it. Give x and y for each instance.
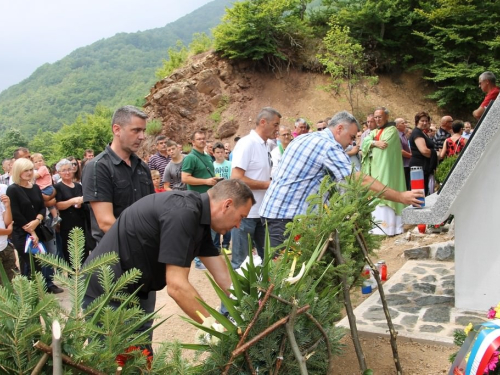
(462, 42)
(176, 58)
(88, 131)
(44, 143)
(384, 29)
(11, 140)
(269, 30)
(201, 43)
(344, 61)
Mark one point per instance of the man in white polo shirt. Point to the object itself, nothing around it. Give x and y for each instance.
(252, 164)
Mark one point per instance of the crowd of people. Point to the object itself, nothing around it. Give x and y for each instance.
(162, 213)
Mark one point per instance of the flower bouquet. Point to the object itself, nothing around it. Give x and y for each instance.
(480, 347)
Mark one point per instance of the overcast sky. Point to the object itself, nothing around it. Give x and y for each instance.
(34, 32)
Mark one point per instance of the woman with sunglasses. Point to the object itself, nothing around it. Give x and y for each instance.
(77, 177)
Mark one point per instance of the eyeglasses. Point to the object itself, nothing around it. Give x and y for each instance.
(286, 135)
(320, 129)
(270, 159)
(65, 171)
(74, 164)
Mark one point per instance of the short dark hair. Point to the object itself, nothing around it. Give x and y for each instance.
(267, 113)
(160, 138)
(123, 115)
(218, 145)
(421, 114)
(197, 132)
(457, 126)
(235, 189)
(171, 143)
(18, 150)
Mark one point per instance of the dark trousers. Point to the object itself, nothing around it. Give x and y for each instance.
(19, 241)
(276, 228)
(226, 239)
(407, 178)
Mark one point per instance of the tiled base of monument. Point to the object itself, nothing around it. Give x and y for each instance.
(421, 303)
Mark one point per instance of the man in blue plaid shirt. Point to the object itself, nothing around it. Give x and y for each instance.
(304, 164)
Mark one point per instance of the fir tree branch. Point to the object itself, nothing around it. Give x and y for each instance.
(279, 359)
(47, 349)
(249, 363)
(327, 342)
(293, 342)
(39, 366)
(267, 331)
(249, 327)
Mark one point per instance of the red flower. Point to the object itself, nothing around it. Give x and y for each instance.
(121, 359)
(297, 238)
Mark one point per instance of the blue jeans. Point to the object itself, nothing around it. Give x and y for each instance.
(257, 231)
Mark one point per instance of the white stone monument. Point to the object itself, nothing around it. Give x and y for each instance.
(472, 194)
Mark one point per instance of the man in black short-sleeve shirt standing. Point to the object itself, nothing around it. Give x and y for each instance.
(162, 233)
(116, 178)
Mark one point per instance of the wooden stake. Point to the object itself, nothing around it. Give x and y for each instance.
(56, 349)
(348, 305)
(39, 366)
(67, 360)
(392, 330)
(267, 331)
(293, 342)
(249, 327)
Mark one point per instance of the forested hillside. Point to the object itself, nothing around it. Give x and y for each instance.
(114, 71)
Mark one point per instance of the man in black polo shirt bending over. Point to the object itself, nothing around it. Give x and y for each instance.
(162, 233)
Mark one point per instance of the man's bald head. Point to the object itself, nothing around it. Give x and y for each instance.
(446, 122)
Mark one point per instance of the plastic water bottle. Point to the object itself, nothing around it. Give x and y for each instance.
(417, 182)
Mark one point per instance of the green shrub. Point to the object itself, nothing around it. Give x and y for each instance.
(176, 58)
(93, 336)
(154, 127)
(444, 168)
(201, 43)
(216, 116)
(272, 31)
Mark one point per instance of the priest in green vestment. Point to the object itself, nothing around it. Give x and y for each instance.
(382, 160)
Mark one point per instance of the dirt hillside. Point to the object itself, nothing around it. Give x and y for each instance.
(223, 98)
